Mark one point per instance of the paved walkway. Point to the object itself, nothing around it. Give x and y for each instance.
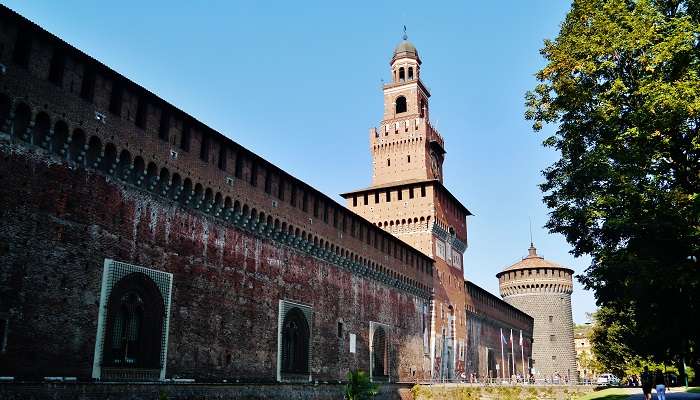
(674, 394)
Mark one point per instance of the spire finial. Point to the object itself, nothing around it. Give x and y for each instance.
(532, 251)
(405, 35)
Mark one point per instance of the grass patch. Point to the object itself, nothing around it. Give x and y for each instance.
(693, 389)
(607, 394)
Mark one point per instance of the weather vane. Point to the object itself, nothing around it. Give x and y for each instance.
(405, 36)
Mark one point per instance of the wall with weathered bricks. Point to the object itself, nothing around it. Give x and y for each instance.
(58, 223)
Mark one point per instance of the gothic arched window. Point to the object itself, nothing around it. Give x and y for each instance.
(295, 342)
(135, 313)
(401, 104)
(379, 353)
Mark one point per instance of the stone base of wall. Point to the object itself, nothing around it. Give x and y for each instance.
(189, 391)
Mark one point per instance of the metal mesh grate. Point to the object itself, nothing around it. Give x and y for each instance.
(113, 272)
(284, 307)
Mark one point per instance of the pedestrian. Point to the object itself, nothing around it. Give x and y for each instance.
(647, 383)
(660, 382)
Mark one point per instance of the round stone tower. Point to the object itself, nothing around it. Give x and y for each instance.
(543, 289)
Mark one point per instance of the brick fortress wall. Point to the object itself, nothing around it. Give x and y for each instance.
(487, 317)
(95, 167)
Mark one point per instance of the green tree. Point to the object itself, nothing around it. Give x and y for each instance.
(359, 386)
(622, 88)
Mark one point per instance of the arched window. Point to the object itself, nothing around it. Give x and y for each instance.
(42, 125)
(5, 106)
(401, 104)
(379, 353)
(135, 313)
(402, 74)
(410, 73)
(23, 114)
(295, 342)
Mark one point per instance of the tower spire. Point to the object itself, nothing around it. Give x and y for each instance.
(532, 251)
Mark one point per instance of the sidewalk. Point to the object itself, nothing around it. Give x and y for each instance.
(674, 394)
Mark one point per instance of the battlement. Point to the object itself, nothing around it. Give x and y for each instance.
(58, 100)
(536, 280)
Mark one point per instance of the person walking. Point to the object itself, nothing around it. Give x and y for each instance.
(647, 383)
(660, 382)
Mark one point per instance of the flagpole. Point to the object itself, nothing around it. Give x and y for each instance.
(522, 355)
(503, 364)
(512, 350)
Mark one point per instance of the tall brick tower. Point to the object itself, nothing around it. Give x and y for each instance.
(543, 289)
(408, 199)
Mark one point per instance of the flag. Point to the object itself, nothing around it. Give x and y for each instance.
(503, 338)
(521, 338)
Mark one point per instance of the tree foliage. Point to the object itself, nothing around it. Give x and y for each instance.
(622, 88)
(613, 355)
(359, 386)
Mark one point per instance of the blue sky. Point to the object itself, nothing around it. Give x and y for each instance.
(298, 82)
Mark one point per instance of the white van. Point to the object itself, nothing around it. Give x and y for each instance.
(608, 380)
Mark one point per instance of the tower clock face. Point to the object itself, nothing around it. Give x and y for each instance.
(435, 166)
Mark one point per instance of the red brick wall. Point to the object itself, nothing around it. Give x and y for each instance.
(58, 224)
(63, 103)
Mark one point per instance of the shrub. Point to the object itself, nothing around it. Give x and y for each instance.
(359, 386)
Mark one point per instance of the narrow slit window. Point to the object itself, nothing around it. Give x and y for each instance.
(87, 88)
(141, 113)
(23, 48)
(268, 182)
(57, 67)
(204, 148)
(186, 136)
(116, 98)
(223, 157)
(164, 128)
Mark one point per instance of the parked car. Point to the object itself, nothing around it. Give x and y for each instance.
(607, 380)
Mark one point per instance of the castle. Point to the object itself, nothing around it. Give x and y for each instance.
(138, 244)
